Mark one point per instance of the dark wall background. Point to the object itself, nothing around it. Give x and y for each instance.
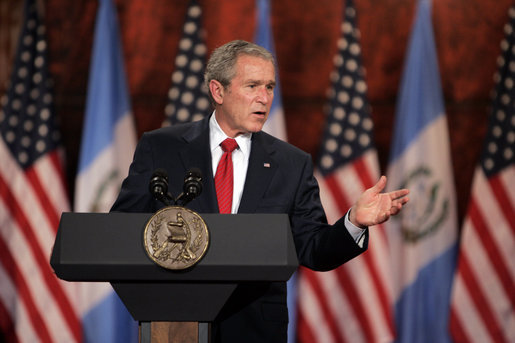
(467, 33)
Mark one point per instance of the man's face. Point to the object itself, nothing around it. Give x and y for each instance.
(245, 104)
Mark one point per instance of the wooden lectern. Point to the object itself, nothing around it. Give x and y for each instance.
(169, 304)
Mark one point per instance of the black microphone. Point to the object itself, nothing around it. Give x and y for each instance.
(159, 186)
(192, 186)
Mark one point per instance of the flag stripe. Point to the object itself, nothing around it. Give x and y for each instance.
(28, 215)
(16, 311)
(366, 292)
(497, 261)
(321, 295)
(471, 318)
(493, 218)
(48, 277)
(42, 195)
(313, 316)
(363, 171)
(356, 302)
(346, 282)
(17, 188)
(24, 200)
(10, 266)
(479, 300)
(459, 333)
(372, 290)
(7, 325)
(49, 166)
(349, 327)
(506, 177)
(351, 188)
(369, 294)
(304, 332)
(481, 216)
(506, 206)
(383, 299)
(486, 277)
(359, 171)
(334, 187)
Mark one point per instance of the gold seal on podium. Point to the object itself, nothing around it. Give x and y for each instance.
(176, 238)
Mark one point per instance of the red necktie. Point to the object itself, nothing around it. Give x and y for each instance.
(224, 176)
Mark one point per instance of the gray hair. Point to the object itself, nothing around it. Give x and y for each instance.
(221, 64)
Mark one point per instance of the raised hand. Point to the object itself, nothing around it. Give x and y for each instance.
(374, 207)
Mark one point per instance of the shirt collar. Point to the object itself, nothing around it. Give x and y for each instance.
(217, 136)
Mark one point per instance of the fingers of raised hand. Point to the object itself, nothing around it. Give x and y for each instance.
(399, 194)
(379, 186)
(397, 205)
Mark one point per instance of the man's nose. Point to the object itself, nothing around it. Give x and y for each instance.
(265, 96)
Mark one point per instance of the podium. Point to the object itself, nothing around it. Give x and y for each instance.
(109, 247)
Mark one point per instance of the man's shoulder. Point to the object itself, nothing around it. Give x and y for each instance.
(290, 157)
(281, 146)
(176, 131)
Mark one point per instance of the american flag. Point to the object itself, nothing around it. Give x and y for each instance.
(483, 299)
(353, 302)
(34, 305)
(188, 99)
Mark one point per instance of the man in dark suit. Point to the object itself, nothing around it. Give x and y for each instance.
(270, 176)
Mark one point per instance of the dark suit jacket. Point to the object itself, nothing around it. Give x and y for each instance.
(255, 312)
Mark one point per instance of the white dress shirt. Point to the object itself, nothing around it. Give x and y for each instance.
(240, 162)
(240, 158)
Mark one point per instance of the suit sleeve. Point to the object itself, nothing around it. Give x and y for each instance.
(134, 195)
(320, 246)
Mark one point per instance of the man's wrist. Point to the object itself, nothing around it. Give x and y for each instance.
(352, 219)
(357, 233)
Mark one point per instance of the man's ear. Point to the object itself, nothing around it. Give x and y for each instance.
(217, 91)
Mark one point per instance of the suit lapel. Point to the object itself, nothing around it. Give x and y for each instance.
(198, 154)
(261, 169)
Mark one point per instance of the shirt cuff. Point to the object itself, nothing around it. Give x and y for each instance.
(356, 232)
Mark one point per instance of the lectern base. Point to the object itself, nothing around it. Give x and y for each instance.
(173, 332)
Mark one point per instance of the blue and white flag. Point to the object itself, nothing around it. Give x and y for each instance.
(423, 238)
(275, 124)
(108, 143)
